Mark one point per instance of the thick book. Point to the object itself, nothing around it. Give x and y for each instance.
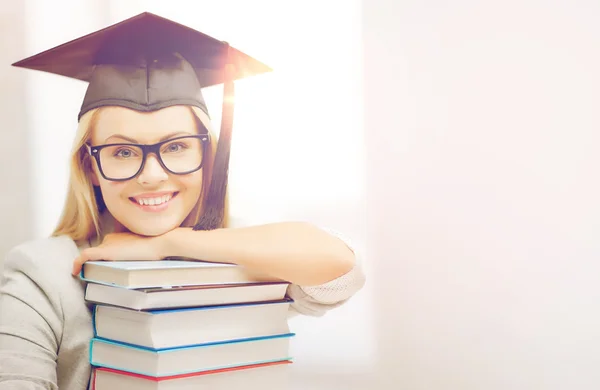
(268, 376)
(170, 328)
(186, 360)
(169, 273)
(184, 296)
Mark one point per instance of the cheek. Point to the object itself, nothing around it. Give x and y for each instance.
(112, 189)
(192, 183)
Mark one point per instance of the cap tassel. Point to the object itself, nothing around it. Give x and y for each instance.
(214, 212)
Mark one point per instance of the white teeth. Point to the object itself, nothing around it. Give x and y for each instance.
(154, 201)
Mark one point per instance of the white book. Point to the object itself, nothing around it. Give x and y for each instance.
(184, 296)
(158, 329)
(186, 360)
(168, 273)
(271, 376)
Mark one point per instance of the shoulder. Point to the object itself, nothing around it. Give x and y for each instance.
(42, 304)
(46, 256)
(39, 272)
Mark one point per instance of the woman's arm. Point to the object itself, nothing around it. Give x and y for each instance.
(322, 267)
(297, 252)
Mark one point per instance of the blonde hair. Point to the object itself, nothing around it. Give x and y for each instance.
(84, 205)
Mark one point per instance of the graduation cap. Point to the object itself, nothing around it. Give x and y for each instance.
(147, 63)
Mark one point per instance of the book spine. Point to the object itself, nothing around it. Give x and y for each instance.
(92, 384)
(91, 352)
(94, 320)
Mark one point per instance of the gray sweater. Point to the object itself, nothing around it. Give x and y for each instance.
(46, 326)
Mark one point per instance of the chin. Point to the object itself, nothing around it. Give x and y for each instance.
(154, 231)
(150, 229)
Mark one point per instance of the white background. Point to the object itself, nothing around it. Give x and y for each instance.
(467, 173)
(482, 129)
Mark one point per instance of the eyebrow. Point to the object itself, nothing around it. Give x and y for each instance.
(134, 141)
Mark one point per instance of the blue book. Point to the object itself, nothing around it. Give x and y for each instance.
(191, 359)
(172, 328)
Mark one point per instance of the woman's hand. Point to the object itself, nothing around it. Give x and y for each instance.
(121, 247)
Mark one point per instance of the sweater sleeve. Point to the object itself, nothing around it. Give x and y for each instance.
(317, 300)
(30, 325)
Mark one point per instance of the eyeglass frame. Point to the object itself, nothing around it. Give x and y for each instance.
(94, 151)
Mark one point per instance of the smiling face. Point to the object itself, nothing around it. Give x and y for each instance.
(155, 201)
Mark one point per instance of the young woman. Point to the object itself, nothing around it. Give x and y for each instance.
(142, 164)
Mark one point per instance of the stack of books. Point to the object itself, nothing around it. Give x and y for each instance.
(176, 324)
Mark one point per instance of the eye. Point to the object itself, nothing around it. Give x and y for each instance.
(175, 147)
(124, 153)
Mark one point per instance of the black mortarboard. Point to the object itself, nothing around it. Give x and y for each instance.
(147, 63)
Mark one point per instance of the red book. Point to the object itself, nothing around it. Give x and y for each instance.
(256, 376)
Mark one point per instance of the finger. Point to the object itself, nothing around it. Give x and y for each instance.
(88, 254)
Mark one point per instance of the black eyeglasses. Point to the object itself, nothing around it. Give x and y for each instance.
(124, 161)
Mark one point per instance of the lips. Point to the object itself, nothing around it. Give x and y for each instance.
(153, 201)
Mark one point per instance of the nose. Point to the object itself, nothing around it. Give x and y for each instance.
(153, 172)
